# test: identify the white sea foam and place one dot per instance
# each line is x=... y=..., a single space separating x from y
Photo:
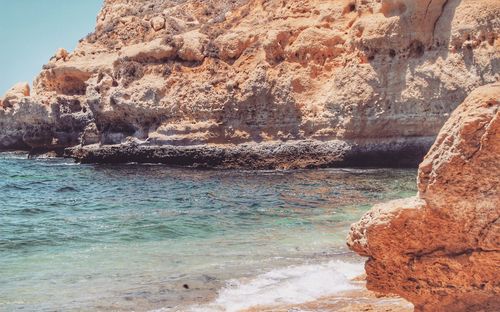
x=15 y=155
x=291 y=285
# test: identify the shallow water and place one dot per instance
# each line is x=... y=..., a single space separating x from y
x=145 y=237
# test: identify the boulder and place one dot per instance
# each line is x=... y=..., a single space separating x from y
x=158 y=23
x=191 y=46
x=15 y=94
x=61 y=54
x=441 y=249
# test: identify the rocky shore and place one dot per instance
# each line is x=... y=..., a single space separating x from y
x=320 y=83
x=259 y=84
x=441 y=249
x=267 y=155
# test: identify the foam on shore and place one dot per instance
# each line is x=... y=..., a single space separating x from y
x=290 y=285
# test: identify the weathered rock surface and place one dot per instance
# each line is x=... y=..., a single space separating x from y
x=265 y=155
x=441 y=250
x=200 y=73
x=15 y=94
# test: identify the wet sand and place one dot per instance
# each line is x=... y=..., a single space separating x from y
x=361 y=300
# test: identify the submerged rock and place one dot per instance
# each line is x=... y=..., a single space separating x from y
x=195 y=73
x=441 y=249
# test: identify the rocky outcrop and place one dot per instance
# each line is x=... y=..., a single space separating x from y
x=15 y=94
x=441 y=250
x=264 y=155
x=191 y=74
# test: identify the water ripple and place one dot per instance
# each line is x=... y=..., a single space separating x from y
x=90 y=235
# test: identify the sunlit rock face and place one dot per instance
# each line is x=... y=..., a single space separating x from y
x=379 y=77
x=441 y=250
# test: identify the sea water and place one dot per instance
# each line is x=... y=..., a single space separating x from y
x=150 y=237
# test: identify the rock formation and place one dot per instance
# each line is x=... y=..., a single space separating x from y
x=441 y=250
x=15 y=94
x=332 y=82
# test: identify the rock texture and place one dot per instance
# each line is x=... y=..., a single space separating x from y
x=15 y=94
x=441 y=250
x=369 y=74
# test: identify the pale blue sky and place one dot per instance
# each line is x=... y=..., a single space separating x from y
x=32 y=30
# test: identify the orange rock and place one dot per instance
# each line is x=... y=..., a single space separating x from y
x=371 y=72
x=15 y=94
x=441 y=250
x=61 y=54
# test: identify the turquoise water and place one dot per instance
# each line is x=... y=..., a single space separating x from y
x=143 y=237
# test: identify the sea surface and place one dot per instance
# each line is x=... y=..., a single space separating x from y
x=155 y=238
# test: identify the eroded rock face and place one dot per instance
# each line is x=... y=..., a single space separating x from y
x=185 y=73
x=441 y=250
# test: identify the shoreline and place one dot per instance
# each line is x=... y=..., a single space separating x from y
x=337 y=285
x=304 y=154
x=298 y=154
x=358 y=300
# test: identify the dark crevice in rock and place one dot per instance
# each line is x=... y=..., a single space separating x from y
x=441 y=252
x=437 y=19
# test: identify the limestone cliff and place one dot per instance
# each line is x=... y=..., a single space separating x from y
x=260 y=83
x=441 y=250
